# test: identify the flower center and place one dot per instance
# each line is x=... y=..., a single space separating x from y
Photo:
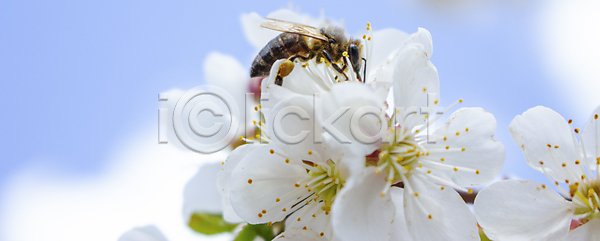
x=585 y=196
x=398 y=157
x=325 y=182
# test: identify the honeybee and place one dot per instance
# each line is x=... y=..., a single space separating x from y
x=304 y=43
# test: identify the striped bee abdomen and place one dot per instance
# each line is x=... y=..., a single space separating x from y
x=281 y=47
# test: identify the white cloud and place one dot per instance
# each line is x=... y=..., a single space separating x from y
x=569 y=40
x=143 y=184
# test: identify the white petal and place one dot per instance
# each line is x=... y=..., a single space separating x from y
x=539 y=127
x=384 y=43
x=262 y=178
x=522 y=210
x=295 y=234
x=360 y=212
x=271 y=93
x=400 y=229
x=224 y=180
x=311 y=218
x=291 y=126
x=591 y=137
x=415 y=78
x=422 y=37
x=364 y=106
x=226 y=72
x=482 y=158
x=201 y=193
x=436 y=213
x=588 y=231
x=146 y=233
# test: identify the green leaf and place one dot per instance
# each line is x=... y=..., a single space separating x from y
x=210 y=223
x=249 y=232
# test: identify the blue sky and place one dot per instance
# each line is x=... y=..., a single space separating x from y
x=77 y=78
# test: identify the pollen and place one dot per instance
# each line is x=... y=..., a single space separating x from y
x=429 y=216
x=345 y=54
x=459 y=100
x=299 y=219
x=467 y=129
x=442 y=188
x=264 y=211
x=570 y=121
x=429 y=172
x=249 y=181
x=442 y=159
x=297 y=185
x=548 y=145
x=321 y=234
x=597 y=160
x=270 y=223
x=256 y=108
x=424 y=89
x=369 y=39
x=364 y=36
x=556 y=147
x=457 y=133
x=287 y=160
x=455 y=169
x=260 y=215
x=277 y=200
x=304 y=228
x=435 y=102
x=577 y=162
x=469 y=191
x=567 y=181
x=596 y=116
x=576 y=130
x=564 y=164
x=445 y=138
x=309 y=152
x=463 y=149
x=416 y=194
x=541 y=162
x=283 y=210
x=477 y=172
x=241 y=138
x=272 y=151
x=544 y=186
x=583 y=176
x=382 y=194
x=447 y=147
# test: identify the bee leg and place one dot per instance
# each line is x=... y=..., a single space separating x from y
x=335 y=66
x=284 y=70
x=365 y=69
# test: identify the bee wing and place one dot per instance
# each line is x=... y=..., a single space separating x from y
x=290 y=27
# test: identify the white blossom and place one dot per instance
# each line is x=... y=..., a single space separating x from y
x=528 y=210
x=465 y=154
